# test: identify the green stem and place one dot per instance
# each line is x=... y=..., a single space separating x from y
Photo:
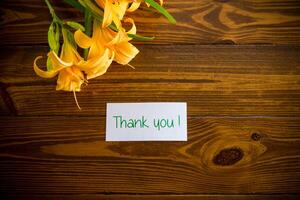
x=53 y=14
x=88 y=29
x=50 y=7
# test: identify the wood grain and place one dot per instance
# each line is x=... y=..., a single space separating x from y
x=68 y=155
x=160 y=197
x=7 y=106
x=199 y=22
x=243 y=107
x=214 y=80
x=3 y=107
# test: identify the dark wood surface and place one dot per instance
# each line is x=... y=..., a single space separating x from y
x=69 y=155
x=243 y=107
x=162 y=197
x=214 y=80
x=199 y=21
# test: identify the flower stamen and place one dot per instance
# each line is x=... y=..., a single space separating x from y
x=130 y=66
x=75 y=98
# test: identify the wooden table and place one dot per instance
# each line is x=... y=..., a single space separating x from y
x=235 y=63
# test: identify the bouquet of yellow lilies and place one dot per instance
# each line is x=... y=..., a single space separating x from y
x=102 y=38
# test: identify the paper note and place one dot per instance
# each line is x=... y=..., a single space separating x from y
x=146 y=122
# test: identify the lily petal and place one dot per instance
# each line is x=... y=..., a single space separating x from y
x=133 y=27
x=95 y=61
x=58 y=63
x=98 y=65
x=134 y=6
x=70 y=79
x=117 y=39
x=121 y=8
x=101 y=68
x=125 y=52
x=42 y=73
x=101 y=3
x=82 y=39
x=108 y=14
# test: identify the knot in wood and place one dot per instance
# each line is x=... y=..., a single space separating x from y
x=255 y=136
x=223 y=1
x=228 y=156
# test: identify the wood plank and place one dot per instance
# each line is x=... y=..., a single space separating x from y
x=68 y=155
x=44 y=100
x=3 y=108
x=6 y=105
x=161 y=197
x=199 y=22
x=166 y=63
x=214 y=80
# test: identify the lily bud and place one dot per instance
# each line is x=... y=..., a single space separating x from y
x=49 y=64
x=53 y=37
x=57 y=37
x=75 y=25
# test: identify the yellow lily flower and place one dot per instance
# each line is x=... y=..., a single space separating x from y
x=70 y=77
x=114 y=11
x=105 y=46
x=99 y=58
x=118 y=42
x=97 y=65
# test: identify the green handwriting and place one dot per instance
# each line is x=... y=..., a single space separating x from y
x=158 y=123
x=130 y=123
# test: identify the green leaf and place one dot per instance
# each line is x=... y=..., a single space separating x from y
x=139 y=37
x=88 y=22
x=162 y=11
x=75 y=4
x=75 y=25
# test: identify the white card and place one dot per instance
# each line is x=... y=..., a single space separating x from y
x=146 y=122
